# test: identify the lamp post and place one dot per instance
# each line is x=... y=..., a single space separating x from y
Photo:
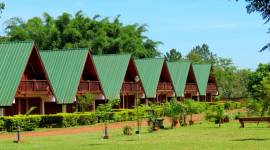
x=137 y=79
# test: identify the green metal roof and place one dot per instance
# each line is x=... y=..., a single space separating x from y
x=202 y=72
x=179 y=73
x=149 y=71
x=64 y=68
x=13 y=60
x=111 y=70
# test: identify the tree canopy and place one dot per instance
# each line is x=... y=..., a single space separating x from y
x=202 y=54
x=173 y=55
x=101 y=35
x=2 y=7
x=231 y=81
x=262 y=7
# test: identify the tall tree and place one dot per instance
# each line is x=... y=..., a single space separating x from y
x=255 y=79
x=2 y=7
x=231 y=81
x=202 y=54
x=262 y=7
x=173 y=55
x=101 y=35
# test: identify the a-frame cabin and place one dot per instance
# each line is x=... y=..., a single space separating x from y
x=117 y=74
x=156 y=79
x=191 y=89
x=23 y=79
x=72 y=73
x=206 y=81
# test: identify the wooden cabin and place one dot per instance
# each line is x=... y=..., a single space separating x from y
x=205 y=81
x=191 y=89
x=26 y=79
x=156 y=80
x=117 y=74
x=72 y=73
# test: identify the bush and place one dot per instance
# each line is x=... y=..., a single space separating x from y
x=87 y=119
x=67 y=120
x=127 y=130
x=51 y=121
x=124 y=115
x=2 y=123
x=26 y=123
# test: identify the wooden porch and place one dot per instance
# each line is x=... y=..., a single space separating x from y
x=191 y=88
x=33 y=87
x=89 y=86
x=131 y=88
x=165 y=88
x=212 y=89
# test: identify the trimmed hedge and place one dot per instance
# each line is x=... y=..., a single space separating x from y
x=2 y=124
x=87 y=119
x=26 y=123
x=124 y=115
x=62 y=120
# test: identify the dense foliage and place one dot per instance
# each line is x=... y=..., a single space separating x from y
x=84 y=101
x=173 y=55
x=232 y=82
x=101 y=35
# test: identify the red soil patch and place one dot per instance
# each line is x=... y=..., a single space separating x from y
x=84 y=129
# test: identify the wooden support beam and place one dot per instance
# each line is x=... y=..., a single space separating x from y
x=42 y=107
x=94 y=106
x=26 y=105
x=19 y=106
x=64 y=108
x=2 y=112
x=123 y=101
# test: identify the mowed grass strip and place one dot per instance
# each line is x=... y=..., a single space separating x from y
x=200 y=136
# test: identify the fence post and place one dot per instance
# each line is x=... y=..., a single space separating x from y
x=18 y=134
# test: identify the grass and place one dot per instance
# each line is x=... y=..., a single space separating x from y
x=201 y=136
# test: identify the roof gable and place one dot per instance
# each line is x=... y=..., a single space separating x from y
x=202 y=72
x=64 y=69
x=179 y=73
x=13 y=60
x=111 y=70
x=149 y=71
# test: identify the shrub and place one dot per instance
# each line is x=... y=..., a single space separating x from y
x=87 y=119
x=69 y=120
x=219 y=114
x=209 y=115
x=127 y=130
x=173 y=109
x=52 y=121
x=124 y=115
x=2 y=123
x=26 y=123
x=66 y=120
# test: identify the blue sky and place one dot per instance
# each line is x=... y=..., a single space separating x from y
x=182 y=24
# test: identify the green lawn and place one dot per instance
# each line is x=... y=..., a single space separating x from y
x=201 y=136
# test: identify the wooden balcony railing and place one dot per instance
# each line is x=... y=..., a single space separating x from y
x=131 y=87
x=211 y=87
x=164 y=86
x=89 y=86
x=191 y=87
x=34 y=86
